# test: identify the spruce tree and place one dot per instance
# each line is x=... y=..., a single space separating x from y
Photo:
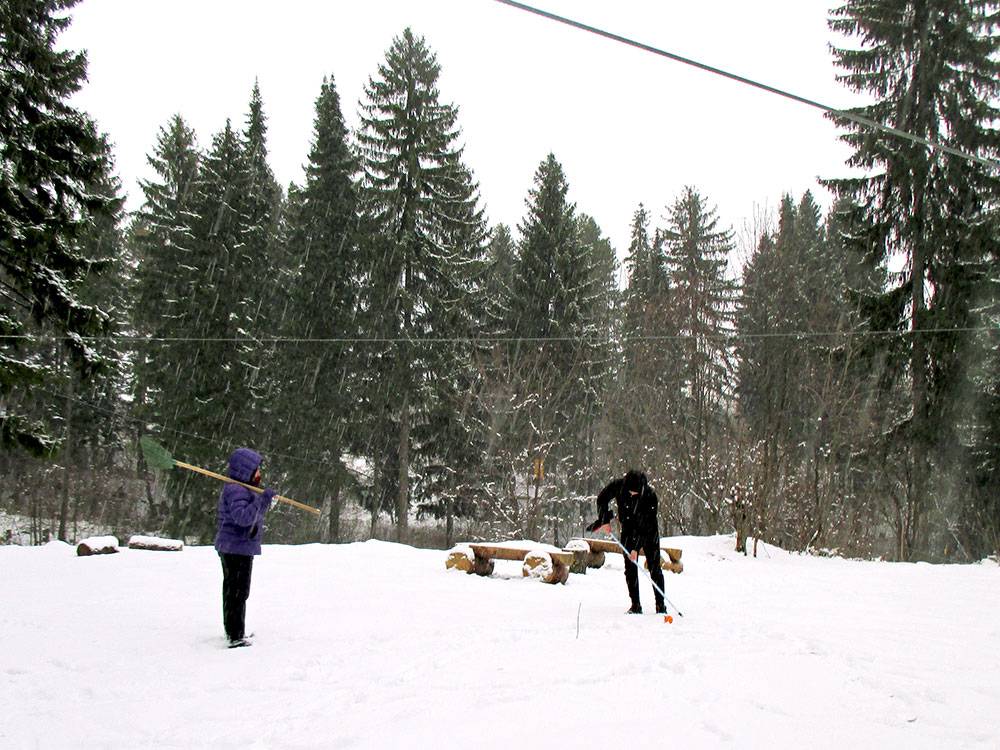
x=95 y=417
x=932 y=69
x=424 y=252
x=322 y=245
x=51 y=159
x=262 y=205
x=553 y=325
x=602 y=314
x=697 y=255
x=207 y=403
x=163 y=243
x=500 y=274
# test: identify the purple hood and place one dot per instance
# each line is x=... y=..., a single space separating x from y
x=241 y=512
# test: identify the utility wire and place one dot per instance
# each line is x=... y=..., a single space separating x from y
x=487 y=339
x=859 y=119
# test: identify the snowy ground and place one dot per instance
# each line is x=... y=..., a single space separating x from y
x=376 y=645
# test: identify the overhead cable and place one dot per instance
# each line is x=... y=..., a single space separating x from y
x=847 y=114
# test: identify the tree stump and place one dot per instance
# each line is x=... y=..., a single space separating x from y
x=155 y=544
x=97 y=545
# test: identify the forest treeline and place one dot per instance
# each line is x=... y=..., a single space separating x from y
x=382 y=345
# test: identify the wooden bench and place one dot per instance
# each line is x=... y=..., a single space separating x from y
x=485 y=554
x=670 y=557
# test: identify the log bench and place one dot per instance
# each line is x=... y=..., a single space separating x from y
x=549 y=565
x=670 y=557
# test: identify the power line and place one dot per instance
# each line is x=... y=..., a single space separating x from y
x=31 y=338
x=859 y=119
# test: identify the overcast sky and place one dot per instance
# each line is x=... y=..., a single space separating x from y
x=626 y=125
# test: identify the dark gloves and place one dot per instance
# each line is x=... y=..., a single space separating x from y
x=602 y=520
x=269 y=494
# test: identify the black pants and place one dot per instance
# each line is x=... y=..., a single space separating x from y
x=649 y=542
x=236 y=570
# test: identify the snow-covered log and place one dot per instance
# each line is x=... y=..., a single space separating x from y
x=460 y=557
x=550 y=567
x=595 y=556
x=670 y=559
x=97 y=545
x=537 y=564
x=486 y=553
x=155 y=543
x=581 y=556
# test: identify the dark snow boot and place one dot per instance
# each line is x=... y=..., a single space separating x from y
x=661 y=608
x=635 y=609
x=239 y=642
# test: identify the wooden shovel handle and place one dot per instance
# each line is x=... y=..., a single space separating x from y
x=252 y=488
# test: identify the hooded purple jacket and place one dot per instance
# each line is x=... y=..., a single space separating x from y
x=241 y=512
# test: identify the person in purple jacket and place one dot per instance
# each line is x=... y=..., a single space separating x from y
x=240 y=528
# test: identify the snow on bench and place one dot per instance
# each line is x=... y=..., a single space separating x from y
x=548 y=563
x=670 y=557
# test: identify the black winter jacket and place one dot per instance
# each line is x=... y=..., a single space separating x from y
x=636 y=513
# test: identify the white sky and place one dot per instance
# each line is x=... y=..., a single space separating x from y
x=626 y=125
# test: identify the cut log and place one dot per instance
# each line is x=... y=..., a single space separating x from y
x=155 y=543
x=603 y=545
x=97 y=545
x=538 y=564
x=460 y=558
x=487 y=553
x=595 y=555
x=670 y=557
x=483 y=566
x=549 y=567
x=596 y=560
x=581 y=556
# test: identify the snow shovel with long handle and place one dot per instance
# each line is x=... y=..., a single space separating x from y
x=159 y=457
x=625 y=552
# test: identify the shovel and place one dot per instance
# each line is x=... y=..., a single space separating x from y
x=159 y=457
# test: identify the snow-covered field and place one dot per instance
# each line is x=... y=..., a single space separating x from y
x=377 y=645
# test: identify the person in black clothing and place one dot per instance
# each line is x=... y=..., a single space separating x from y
x=637 y=506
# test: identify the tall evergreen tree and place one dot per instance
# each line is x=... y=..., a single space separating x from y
x=931 y=67
x=603 y=313
x=501 y=253
x=262 y=204
x=94 y=416
x=323 y=304
x=697 y=256
x=163 y=243
x=208 y=394
x=51 y=157
x=554 y=295
x=424 y=256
